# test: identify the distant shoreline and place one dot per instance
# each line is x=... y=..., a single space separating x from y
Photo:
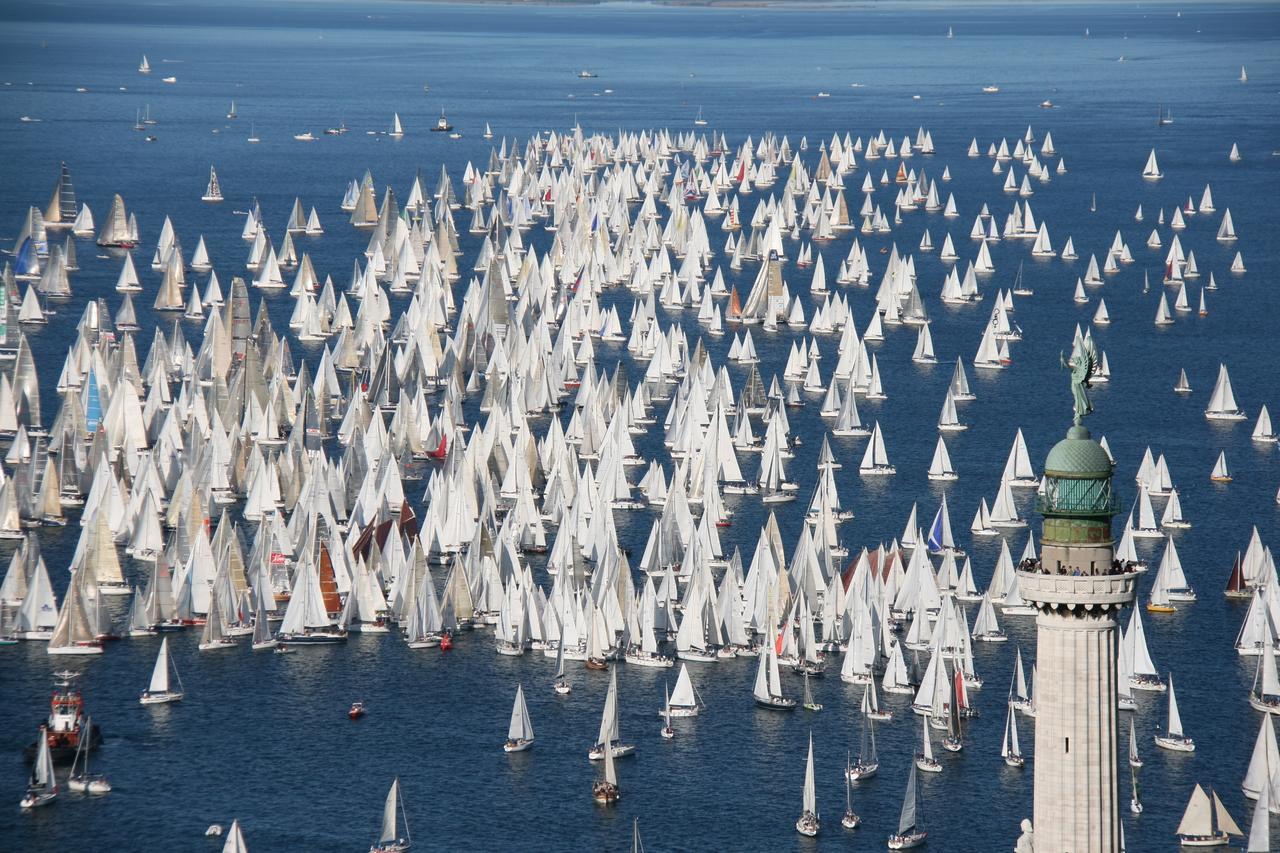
x=866 y=5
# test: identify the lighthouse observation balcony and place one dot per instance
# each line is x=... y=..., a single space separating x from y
x=1109 y=590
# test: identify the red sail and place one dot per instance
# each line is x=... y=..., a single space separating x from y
x=329 y=584
x=1236 y=585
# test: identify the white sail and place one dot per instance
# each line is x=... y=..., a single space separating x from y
x=1010 y=745
x=1151 y=171
x=683 y=696
x=1222 y=403
x=810 y=789
x=235 y=840
x=908 y=819
x=521 y=728
x=1197 y=820
x=160 y=673
x=390 y=809
x=1175 y=718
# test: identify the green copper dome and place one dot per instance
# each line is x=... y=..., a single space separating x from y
x=1078 y=457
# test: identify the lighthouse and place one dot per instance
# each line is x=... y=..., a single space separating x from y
x=1077 y=589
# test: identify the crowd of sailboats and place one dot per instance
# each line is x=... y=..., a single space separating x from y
x=226 y=486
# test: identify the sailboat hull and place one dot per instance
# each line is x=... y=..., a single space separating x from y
x=651 y=660
x=1176 y=744
x=77 y=649
x=32 y=801
x=397 y=846
x=620 y=750
x=605 y=793
x=907 y=842
x=314 y=639
x=927 y=765
x=1204 y=840
x=1267 y=704
x=808 y=825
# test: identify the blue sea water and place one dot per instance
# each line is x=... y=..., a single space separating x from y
x=265 y=738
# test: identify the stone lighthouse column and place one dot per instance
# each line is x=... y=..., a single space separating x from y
x=1077 y=589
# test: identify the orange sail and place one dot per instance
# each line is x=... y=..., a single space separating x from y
x=328 y=584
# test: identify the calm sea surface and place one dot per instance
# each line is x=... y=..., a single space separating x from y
x=265 y=738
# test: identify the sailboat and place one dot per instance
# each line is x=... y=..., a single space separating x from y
x=253 y=135
x=213 y=192
x=850 y=820
x=1244 y=76
x=952 y=741
x=684 y=701
x=488 y=132
x=161 y=688
x=81 y=780
x=520 y=731
x=1260 y=825
x=667 y=731
x=442 y=124
x=1151 y=171
x=924 y=759
x=390 y=840
x=262 y=636
x=235 y=838
x=909 y=833
x=868 y=761
x=1220 y=472
x=940 y=468
x=561 y=684
x=42 y=789
x=1265 y=693
x=1173 y=738
x=1163 y=117
x=809 y=703
x=231 y=113
x=809 y=823
x=144 y=67
x=213 y=636
x=74 y=634
x=768 y=686
x=315 y=613
x=1222 y=403
x=1020 y=287
x=699 y=121
x=606 y=790
x=1206 y=823
x=609 y=739
x=397 y=130
x=875 y=460
x=1009 y=750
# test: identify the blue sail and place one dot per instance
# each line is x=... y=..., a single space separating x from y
x=92 y=404
x=935 y=532
x=26 y=262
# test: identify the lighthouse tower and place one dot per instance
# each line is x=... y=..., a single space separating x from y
x=1078 y=591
